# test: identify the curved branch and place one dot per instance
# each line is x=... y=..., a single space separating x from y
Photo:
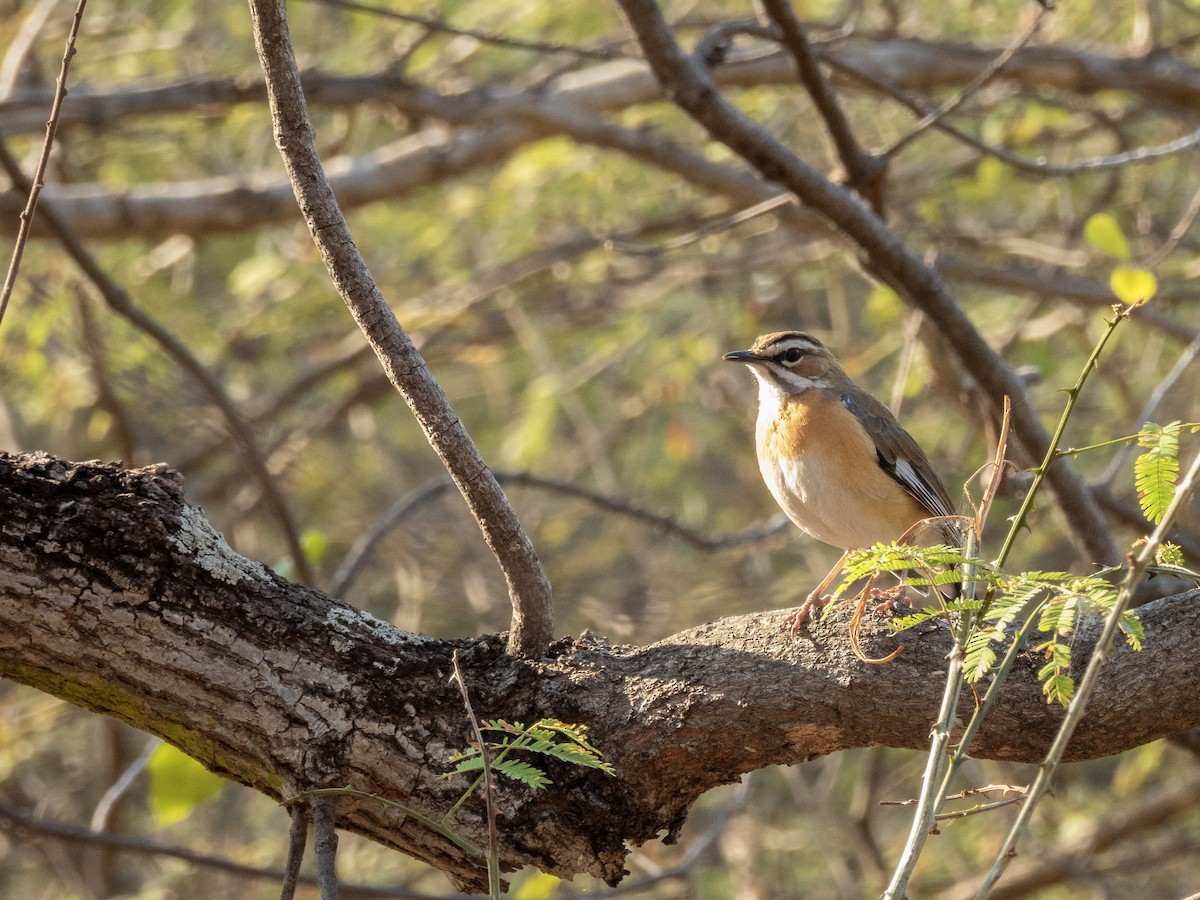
x=528 y=586
x=117 y=596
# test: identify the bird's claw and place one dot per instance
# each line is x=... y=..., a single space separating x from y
x=806 y=610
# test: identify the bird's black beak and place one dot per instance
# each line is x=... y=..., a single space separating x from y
x=742 y=356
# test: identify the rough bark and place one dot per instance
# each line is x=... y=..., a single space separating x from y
x=117 y=596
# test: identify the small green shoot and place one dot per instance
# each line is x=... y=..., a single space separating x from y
x=547 y=737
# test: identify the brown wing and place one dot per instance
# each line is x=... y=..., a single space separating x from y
x=899 y=455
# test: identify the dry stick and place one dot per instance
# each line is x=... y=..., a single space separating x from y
x=297 y=837
x=1091 y=675
x=691 y=87
x=528 y=586
x=489 y=785
x=119 y=301
x=325 y=844
x=39 y=173
x=990 y=71
x=864 y=171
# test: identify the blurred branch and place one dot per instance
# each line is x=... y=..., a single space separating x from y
x=439 y=26
x=134 y=574
x=690 y=87
x=1057 y=285
x=529 y=589
x=18 y=822
x=487 y=134
x=398 y=513
x=1118 y=825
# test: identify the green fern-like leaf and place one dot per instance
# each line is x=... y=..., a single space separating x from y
x=1157 y=470
x=519 y=770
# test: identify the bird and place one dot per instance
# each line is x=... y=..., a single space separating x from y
x=836 y=460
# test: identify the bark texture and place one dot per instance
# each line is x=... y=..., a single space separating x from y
x=117 y=596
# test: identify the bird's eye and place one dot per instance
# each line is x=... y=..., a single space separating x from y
x=792 y=354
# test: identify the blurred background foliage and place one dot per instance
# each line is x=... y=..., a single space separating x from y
x=577 y=361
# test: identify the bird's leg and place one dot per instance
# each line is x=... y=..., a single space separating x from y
x=817 y=598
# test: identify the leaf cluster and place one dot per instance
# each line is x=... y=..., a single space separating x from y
x=563 y=741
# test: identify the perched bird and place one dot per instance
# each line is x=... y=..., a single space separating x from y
x=835 y=458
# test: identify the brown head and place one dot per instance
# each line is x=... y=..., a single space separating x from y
x=791 y=361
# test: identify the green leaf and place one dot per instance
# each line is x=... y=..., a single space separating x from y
x=1132 y=285
x=1157 y=470
x=314 y=544
x=1102 y=231
x=178 y=784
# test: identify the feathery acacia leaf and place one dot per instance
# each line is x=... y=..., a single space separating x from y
x=1157 y=470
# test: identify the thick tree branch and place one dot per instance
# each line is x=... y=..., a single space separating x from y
x=528 y=586
x=117 y=596
x=691 y=87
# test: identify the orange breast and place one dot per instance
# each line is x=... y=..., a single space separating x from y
x=822 y=468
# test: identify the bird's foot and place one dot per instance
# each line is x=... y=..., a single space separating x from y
x=806 y=610
x=888 y=599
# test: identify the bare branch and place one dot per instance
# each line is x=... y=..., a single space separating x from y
x=529 y=589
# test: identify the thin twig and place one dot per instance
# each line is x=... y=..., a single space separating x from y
x=325 y=844
x=297 y=838
x=489 y=786
x=990 y=71
x=529 y=588
x=936 y=762
x=1087 y=684
x=39 y=173
x=1182 y=227
x=117 y=789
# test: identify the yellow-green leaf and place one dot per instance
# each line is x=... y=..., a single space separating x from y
x=1133 y=285
x=1104 y=233
x=178 y=784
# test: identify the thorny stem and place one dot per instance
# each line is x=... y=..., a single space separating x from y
x=1087 y=684
x=39 y=175
x=1039 y=474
